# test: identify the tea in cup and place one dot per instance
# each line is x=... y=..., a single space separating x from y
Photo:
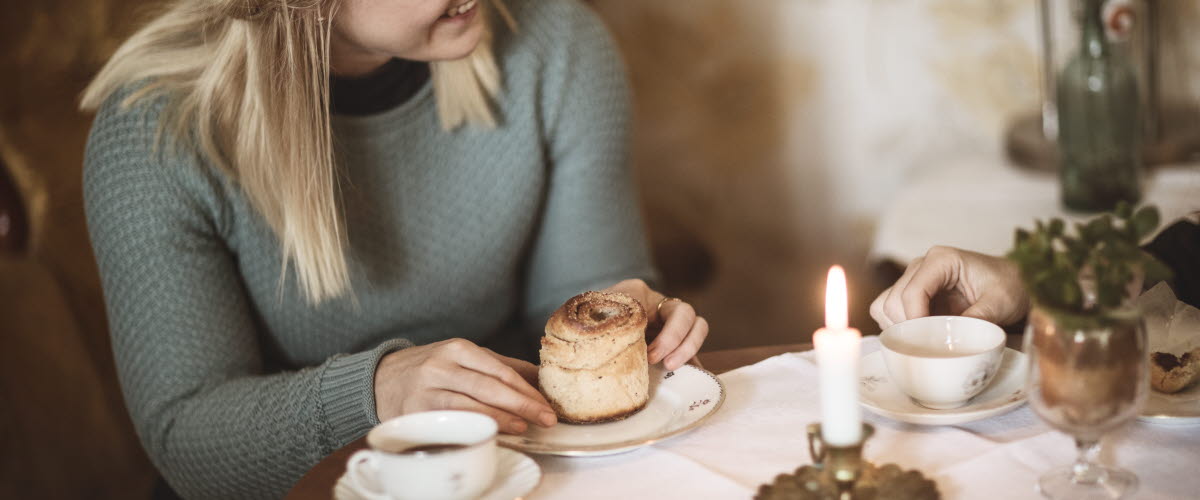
x=434 y=455
x=941 y=362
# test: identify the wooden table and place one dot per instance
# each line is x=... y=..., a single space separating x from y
x=318 y=483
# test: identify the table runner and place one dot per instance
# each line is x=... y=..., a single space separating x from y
x=760 y=432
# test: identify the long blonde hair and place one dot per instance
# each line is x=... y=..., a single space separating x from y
x=247 y=86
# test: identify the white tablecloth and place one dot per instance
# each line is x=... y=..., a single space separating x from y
x=760 y=432
x=978 y=204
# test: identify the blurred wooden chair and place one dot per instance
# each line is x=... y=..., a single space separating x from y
x=65 y=430
x=63 y=424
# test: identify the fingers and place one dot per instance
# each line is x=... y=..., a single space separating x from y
x=490 y=381
x=680 y=318
x=496 y=394
x=999 y=307
x=689 y=347
x=996 y=282
x=877 y=313
x=892 y=308
x=486 y=362
x=911 y=295
x=683 y=332
x=957 y=278
x=936 y=273
x=915 y=297
x=949 y=303
x=450 y=400
x=982 y=310
x=525 y=369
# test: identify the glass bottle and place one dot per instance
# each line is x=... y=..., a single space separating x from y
x=1099 y=130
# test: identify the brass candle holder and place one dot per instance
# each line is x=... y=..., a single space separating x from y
x=840 y=473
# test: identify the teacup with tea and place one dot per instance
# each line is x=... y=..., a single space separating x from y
x=941 y=362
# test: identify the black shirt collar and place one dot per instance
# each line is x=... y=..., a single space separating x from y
x=385 y=88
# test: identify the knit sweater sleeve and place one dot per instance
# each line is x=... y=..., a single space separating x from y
x=591 y=233
x=214 y=423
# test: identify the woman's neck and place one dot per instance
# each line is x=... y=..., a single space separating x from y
x=347 y=59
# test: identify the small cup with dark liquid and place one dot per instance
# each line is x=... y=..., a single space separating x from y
x=434 y=448
x=435 y=455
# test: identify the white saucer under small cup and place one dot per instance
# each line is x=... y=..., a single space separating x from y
x=517 y=476
x=1005 y=393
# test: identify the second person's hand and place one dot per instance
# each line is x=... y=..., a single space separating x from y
x=960 y=281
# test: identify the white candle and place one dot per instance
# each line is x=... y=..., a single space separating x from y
x=837 y=347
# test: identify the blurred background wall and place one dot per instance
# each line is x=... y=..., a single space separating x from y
x=770 y=135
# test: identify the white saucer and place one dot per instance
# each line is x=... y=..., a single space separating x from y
x=516 y=476
x=879 y=395
x=679 y=402
x=1181 y=408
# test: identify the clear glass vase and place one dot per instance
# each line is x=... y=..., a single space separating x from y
x=1088 y=375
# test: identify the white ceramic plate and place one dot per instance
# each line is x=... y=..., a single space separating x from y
x=1181 y=408
x=679 y=401
x=879 y=395
x=516 y=476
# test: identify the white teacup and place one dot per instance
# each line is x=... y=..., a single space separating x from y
x=942 y=361
x=434 y=455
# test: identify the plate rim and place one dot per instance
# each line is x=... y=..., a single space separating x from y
x=629 y=445
x=1161 y=418
x=948 y=418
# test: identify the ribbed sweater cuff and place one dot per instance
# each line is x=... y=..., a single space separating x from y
x=348 y=392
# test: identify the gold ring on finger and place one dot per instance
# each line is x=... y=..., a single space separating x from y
x=665 y=299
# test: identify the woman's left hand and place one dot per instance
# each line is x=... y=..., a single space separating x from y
x=683 y=332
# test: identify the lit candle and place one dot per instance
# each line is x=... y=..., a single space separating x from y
x=837 y=348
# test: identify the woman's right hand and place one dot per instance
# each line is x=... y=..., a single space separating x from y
x=456 y=374
x=961 y=282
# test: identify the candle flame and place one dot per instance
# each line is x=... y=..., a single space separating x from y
x=835 y=299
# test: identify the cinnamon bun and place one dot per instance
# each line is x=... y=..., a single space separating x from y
x=593 y=366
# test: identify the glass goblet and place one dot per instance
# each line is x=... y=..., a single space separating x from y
x=1087 y=376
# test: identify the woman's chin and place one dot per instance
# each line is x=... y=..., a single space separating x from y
x=454 y=53
x=448 y=45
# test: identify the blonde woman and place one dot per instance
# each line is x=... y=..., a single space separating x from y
x=310 y=215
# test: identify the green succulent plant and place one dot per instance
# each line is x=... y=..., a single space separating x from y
x=1103 y=254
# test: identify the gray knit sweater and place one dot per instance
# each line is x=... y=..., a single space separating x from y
x=237 y=388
